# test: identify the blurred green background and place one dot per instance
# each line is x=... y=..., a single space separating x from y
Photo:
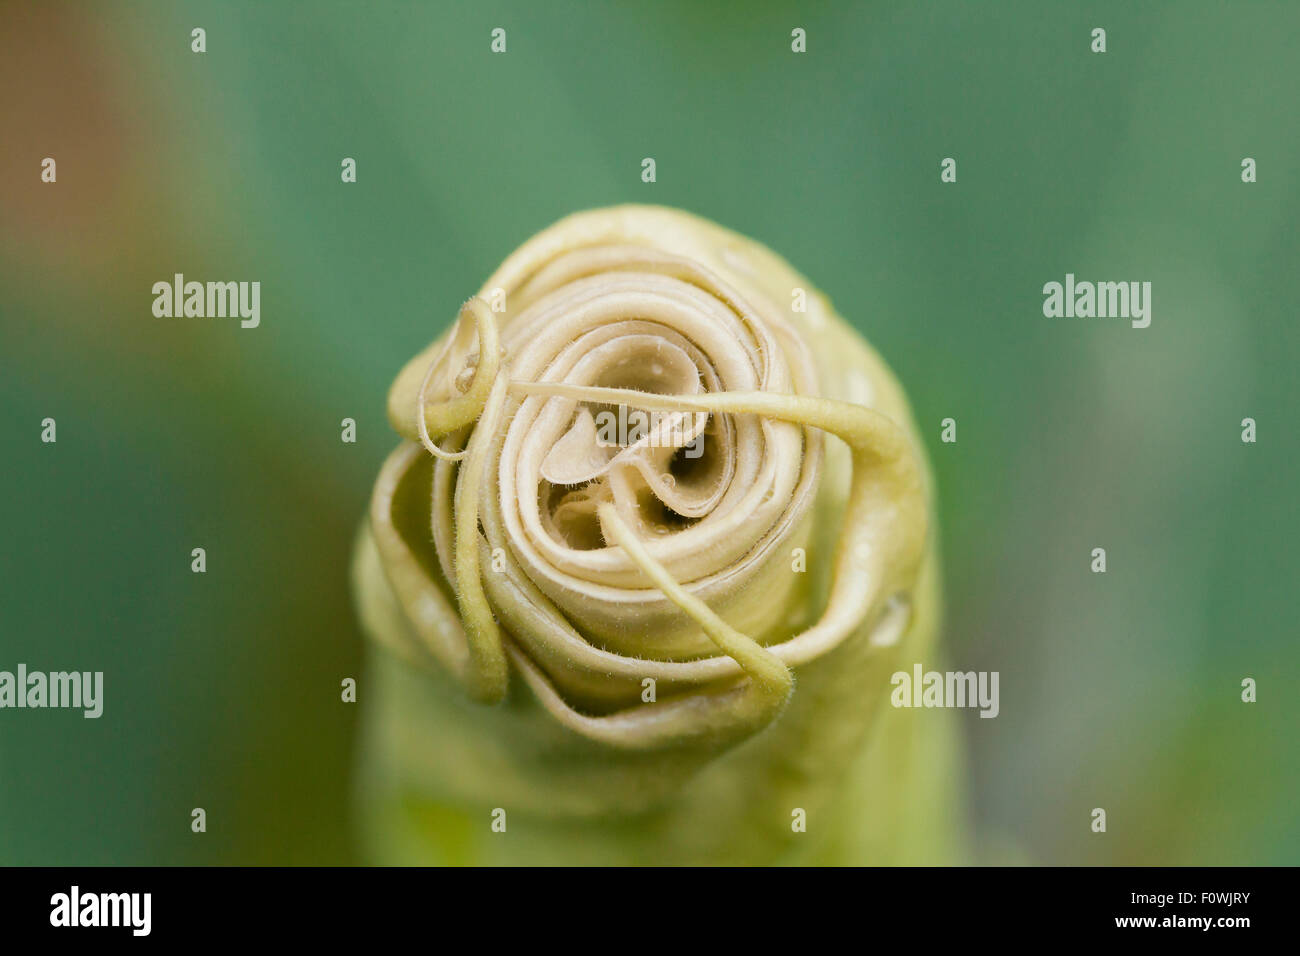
x=222 y=690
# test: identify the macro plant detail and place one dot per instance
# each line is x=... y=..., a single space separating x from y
x=674 y=641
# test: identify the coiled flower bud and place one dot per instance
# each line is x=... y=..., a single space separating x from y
x=643 y=563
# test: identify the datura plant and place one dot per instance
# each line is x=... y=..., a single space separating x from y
x=636 y=579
